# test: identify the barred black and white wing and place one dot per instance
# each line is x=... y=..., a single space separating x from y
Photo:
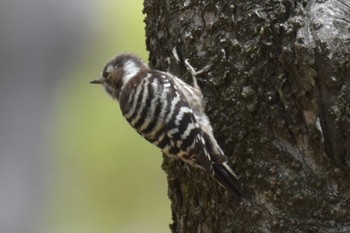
x=156 y=104
x=157 y=109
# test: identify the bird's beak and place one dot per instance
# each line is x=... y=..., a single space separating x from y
x=97 y=81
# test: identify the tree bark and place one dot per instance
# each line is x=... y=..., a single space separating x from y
x=278 y=98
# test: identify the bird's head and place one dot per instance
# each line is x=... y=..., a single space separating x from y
x=118 y=71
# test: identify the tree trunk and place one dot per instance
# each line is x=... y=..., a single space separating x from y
x=278 y=98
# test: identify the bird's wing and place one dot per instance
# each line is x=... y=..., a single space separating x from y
x=165 y=118
x=184 y=132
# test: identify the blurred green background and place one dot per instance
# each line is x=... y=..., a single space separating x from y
x=109 y=178
x=99 y=174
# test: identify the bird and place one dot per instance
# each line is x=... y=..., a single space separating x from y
x=169 y=113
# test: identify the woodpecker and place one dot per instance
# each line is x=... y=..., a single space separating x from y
x=169 y=113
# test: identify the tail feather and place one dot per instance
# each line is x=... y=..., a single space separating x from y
x=227 y=178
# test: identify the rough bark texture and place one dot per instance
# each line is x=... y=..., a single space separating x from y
x=278 y=98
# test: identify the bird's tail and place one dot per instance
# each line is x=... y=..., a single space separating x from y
x=227 y=178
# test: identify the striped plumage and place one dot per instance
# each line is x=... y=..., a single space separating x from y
x=168 y=113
